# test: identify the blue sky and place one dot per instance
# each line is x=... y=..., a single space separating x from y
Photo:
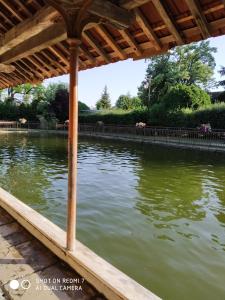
x=123 y=77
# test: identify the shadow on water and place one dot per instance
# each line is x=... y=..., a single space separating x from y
x=156 y=213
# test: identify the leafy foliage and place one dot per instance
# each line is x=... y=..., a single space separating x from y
x=49 y=102
x=191 y=64
x=127 y=102
x=185 y=96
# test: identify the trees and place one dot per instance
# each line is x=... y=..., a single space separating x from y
x=191 y=64
x=82 y=106
x=126 y=102
x=104 y=102
x=185 y=96
x=59 y=105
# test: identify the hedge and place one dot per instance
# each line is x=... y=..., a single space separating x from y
x=214 y=114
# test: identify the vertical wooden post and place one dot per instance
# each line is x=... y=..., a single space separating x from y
x=72 y=144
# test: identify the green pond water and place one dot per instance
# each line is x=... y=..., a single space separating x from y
x=157 y=214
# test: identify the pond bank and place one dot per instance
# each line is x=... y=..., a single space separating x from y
x=176 y=142
x=203 y=145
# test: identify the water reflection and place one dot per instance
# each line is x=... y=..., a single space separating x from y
x=158 y=214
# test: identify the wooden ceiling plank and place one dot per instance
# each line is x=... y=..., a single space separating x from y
x=147 y=29
x=12 y=9
x=24 y=71
x=27 y=29
x=4 y=79
x=110 y=41
x=31 y=69
x=7 y=19
x=24 y=7
x=131 y=41
x=45 y=66
x=58 y=53
x=37 y=65
x=89 y=56
x=22 y=74
x=54 y=61
x=199 y=18
x=12 y=79
x=167 y=20
x=131 y=4
x=95 y=45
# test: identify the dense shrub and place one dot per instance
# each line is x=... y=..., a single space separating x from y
x=185 y=96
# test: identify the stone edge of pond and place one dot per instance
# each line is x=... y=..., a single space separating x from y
x=133 y=139
x=146 y=140
x=108 y=280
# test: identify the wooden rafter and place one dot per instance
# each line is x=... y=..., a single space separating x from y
x=59 y=54
x=141 y=19
x=199 y=18
x=109 y=39
x=28 y=28
x=167 y=20
x=86 y=53
x=96 y=46
x=6 y=68
x=9 y=5
x=131 y=41
x=131 y=4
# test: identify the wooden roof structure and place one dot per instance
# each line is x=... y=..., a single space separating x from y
x=33 y=37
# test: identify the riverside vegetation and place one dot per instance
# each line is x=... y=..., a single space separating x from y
x=174 y=92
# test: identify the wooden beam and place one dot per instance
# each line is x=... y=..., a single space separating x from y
x=89 y=56
x=25 y=63
x=27 y=29
x=53 y=61
x=109 y=39
x=199 y=18
x=131 y=4
x=167 y=20
x=59 y=54
x=111 y=12
x=95 y=45
x=142 y=20
x=127 y=36
x=6 y=68
x=50 y=36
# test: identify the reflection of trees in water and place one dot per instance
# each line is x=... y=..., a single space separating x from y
x=28 y=163
x=172 y=186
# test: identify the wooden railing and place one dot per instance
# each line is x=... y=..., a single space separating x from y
x=157 y=134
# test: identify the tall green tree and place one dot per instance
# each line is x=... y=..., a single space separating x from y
x=104 y=102
x=190 y=64
x=126 y=102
